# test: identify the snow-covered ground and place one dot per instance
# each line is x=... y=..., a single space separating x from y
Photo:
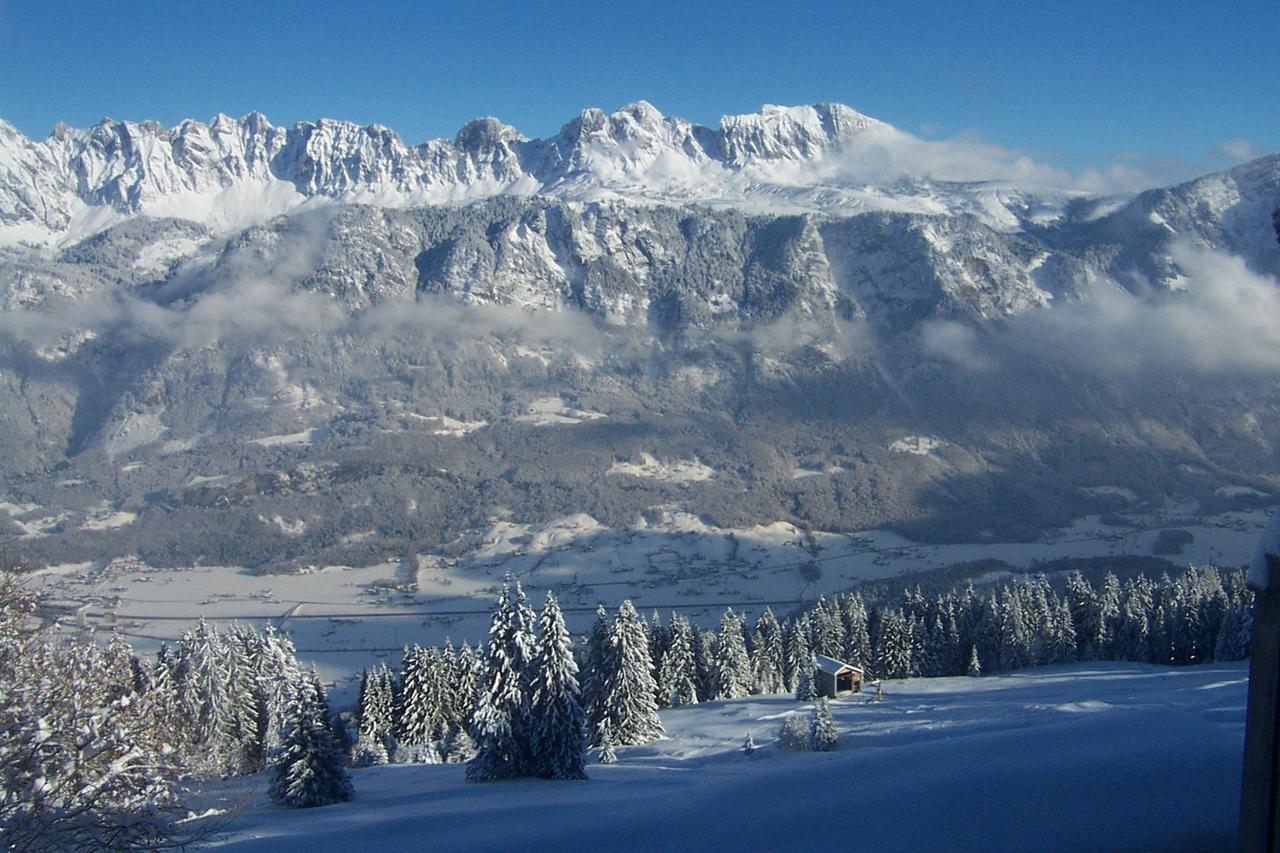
x=1111 y=756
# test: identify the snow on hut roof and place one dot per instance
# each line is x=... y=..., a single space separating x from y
x=1259 y=576
x=831 y=665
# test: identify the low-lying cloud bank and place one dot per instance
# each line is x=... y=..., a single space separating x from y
x=1222 y=320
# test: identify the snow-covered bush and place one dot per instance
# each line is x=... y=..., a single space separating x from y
x=823 y=735
x=794 y=734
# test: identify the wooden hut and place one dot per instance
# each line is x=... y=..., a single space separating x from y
x=832 y=677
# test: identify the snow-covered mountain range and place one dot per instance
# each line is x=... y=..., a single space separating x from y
x=232 y=173
x=271 y=346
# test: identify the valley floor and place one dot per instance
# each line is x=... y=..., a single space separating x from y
x=1104 y=756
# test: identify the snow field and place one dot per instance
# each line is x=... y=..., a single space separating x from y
x=1110 y=756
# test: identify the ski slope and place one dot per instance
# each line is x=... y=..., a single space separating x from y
x=1107 y=756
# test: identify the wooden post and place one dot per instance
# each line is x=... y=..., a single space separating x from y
x=1260 y=789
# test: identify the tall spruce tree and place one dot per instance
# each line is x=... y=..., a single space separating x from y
x=732 y=666
x=501 y=718
x=677 y=674
x=627 y=705
x=768 y=655
x=559 y=737
x=308 y=768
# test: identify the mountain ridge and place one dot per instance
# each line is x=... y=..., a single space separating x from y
x=77 y=181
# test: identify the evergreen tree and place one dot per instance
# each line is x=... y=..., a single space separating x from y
x=823 y=735
x=627 y=703
x=424 y=697
x=677 y=675
x=502 y=710
x=377 y=709
x=1015 y=637
x=558 y=739
x=806 y=690
x=975 y=667
x=828 y=629
x=704 y=649
x=731 y=666
x=1234 y=635
x=308 y=769
x=1062 y=639
x=466 y=688
x=799 y=657
x=748 y=745
x=893 y=655
x=857 y=641
x=1084 y=613
x=768 y=654
x=597 y=664
x=605 y=753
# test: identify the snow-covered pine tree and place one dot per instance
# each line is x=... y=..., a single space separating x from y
x=677 y=674
x=799 y=655
x=749 y=745
x=278 y=673
x=559 y=736
x=828 y=629
x=249 y=715
x=857 y=640
x=932 y=660
x=1061 y=647
x=424 y=697
x=377 y=709
x=204 y=684
x=596 y=665
x=704 y=650
x=1132 y=640
x=605 y=753
x=1015 y=636
x=1107 y=618
x=659 y=639
x=1234 y=634
x=768 y=655
x=893 y=654
x=1084 y=611
x=975 y=666
x=626 y=700
x=823 y=735
x=986 y=629
x=806 y=689
x=502 y=709
x=731 y=665
x=466 y=688
x=308 y=769
x=411 y=718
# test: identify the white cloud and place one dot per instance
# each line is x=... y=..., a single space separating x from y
x=1222 y=322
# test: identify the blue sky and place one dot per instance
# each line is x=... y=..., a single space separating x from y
x=1169 y=87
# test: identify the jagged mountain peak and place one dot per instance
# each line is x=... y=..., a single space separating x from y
x=230 y=173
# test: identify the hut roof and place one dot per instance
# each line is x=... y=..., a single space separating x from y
x=833 y=666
